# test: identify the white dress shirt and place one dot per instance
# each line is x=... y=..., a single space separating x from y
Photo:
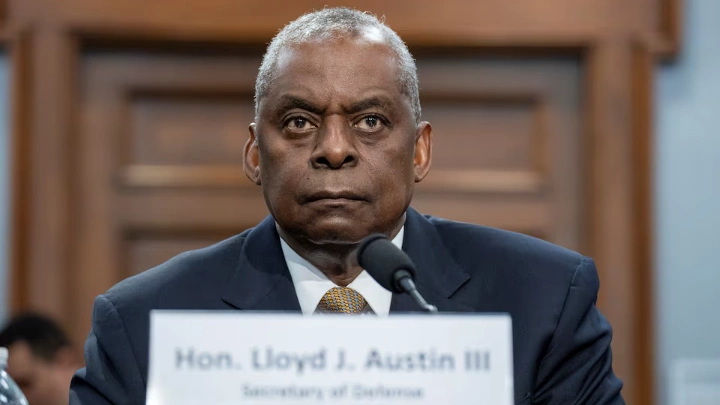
x=311 y=284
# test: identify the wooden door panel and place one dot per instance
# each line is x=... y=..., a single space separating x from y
x=476 y=134
x=508 y=141
x=159 y=168
x=187 y=130
x=161 y=139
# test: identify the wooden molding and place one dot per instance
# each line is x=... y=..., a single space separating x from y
x=643 y=231
x=153 y=176
x=669 y=35
x=20 y=169
x=3 y=12
x=483 y=181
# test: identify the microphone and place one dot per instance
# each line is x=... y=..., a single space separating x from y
x=391 y=268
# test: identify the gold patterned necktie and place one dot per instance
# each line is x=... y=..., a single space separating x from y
x=342 y=300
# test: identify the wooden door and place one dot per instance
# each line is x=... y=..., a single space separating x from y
x=130 y=119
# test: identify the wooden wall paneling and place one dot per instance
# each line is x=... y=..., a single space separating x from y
x=505 y=127
x=173 y=107
x=188 y=130
x=96 y=258
x=486 y=23
x=610 y=199
x=3 y=12
x=560 y=151
x=670 y=30
x=643 y=213
x=50 y=152
x=178 y=121
x=179 y=209
x=19 y=51
x=153 y=210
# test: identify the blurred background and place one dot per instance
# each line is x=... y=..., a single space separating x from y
x=592 y=124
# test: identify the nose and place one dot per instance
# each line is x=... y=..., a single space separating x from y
x=335 y=148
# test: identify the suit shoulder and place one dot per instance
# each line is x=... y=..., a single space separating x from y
x=190 y=271
x=505 y=249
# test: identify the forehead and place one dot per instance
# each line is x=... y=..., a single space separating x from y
x=338 y=68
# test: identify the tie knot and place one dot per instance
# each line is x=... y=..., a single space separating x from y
x=342 y=300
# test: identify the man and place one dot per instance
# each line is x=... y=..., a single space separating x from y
x=337 y=146
x=41 y=360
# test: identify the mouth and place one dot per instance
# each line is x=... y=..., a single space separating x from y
x=334 y=196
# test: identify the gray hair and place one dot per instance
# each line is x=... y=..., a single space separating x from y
x=337 y=22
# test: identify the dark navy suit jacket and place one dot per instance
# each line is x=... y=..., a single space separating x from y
x=561 y=341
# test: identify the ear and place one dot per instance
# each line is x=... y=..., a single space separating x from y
x=251 y=157
x=423 y=150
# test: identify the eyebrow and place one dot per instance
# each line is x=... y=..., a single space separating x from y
x=373 y=102
x=288 y=102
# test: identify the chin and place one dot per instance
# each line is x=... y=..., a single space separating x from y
x=337 y=232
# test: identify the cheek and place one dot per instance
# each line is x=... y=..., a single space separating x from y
x=275 y=163
x=281 y=171
x=393 y=172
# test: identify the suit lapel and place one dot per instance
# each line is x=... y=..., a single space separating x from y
x=438 y=275
x=261 y=280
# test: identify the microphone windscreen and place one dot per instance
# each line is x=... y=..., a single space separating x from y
x=382 y=259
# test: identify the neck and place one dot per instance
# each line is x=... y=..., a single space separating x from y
x=337 y=261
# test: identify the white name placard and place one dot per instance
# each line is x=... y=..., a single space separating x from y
x=229 y=358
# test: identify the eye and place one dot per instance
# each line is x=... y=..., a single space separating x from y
x=298 y=124
x=370 y=123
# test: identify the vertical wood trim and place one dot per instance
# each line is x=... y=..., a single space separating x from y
x=99 y=110
x=670 y=27
x=610 y=199
x=49 y=178
x=642 y=103
x=4 y=13
x=21 y=89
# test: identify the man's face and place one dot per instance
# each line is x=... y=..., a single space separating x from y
x=336 y=147
x=43 y=382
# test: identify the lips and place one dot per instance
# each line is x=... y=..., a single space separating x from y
x=334 y=195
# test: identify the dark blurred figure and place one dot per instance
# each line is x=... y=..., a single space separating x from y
x=41 y=359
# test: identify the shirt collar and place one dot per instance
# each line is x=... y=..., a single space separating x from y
x=311 y=284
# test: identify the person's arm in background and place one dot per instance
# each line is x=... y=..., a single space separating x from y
x=577 y=366
x=111 y=375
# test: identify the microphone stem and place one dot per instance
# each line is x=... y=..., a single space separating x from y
x=432 y=309
x=408 y=285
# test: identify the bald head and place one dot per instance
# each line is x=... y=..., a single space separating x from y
x=335 y=24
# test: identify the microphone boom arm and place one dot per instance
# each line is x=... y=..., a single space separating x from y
x=407 y=284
